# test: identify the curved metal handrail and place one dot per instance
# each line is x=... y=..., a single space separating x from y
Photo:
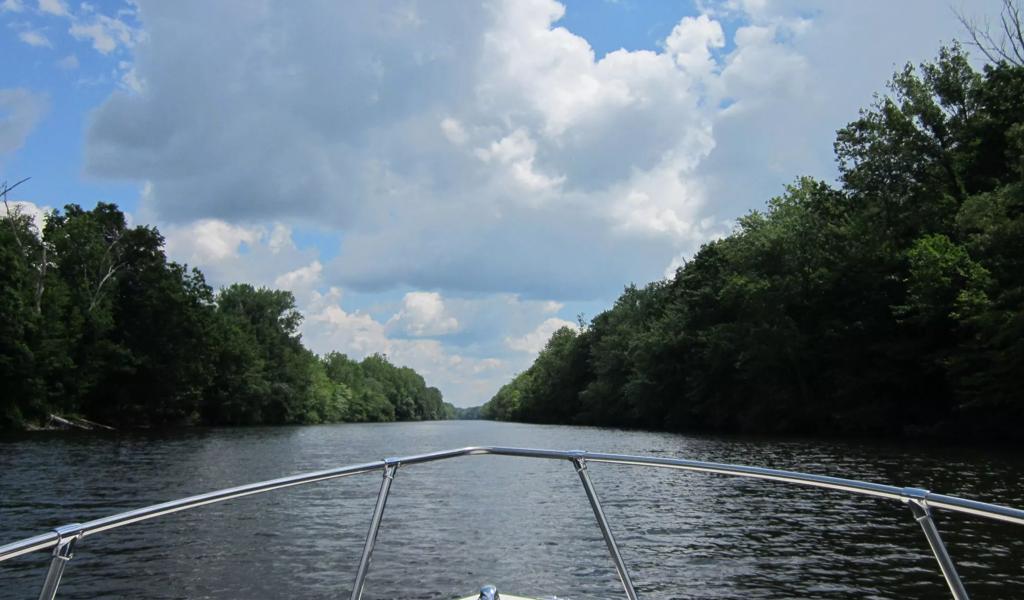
x=62 y=539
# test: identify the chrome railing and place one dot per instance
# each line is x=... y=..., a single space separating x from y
x=63 y=539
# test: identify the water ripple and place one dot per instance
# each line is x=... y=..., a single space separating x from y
x=525 y=525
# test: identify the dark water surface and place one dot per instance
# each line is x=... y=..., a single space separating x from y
x=522 y=524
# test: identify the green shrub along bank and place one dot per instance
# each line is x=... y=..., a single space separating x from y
x=97 y=323
x=889 y=304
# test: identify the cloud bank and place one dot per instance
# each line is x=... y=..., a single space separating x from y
x=476 y=159
x=20 y=110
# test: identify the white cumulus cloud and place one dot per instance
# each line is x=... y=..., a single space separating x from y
x=515 y=126
x=68 y=63
x=54 y=7
x=33 y=211
x=20 y=110
x=209 y=240
x=691 y=43
x=424 y=314
x=106 y=34
x=301 y=278
x=534 y=341
x=34 y=38
x=454 y=131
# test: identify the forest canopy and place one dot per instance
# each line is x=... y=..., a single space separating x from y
x=890 y=303
x=99 y=324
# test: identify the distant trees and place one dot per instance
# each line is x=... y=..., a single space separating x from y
x=891 y=304
x=98 y=323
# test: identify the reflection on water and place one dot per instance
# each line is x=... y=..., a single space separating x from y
x=522 y=524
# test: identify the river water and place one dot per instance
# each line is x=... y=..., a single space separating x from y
x=522 y=524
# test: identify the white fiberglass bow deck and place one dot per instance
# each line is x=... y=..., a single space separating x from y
x=62 y=540
x=489 y=592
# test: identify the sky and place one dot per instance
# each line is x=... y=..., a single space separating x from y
x=444 y=182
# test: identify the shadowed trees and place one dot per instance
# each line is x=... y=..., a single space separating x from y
x=98 y=323
x=890 y=304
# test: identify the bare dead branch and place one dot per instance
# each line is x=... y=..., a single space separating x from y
x=1006 y=45
x=1009 y=33
x=95 y=299
x=1017 y=25
x=41 y=282
x=4 y=189
x=112 y=266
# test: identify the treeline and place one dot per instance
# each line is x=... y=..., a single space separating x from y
x=890 y=304
x=471 y=413
x=97 y=323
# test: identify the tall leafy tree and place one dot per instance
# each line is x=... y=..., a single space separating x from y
x=99 y=324
x=893 y=304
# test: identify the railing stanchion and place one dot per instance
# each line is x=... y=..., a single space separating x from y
x=63 y=552
x=923 y=516
x=371 y=535
x=602 y=522
x=61 y=541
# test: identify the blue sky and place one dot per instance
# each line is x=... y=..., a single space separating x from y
x=52 y=155
x=443 y=182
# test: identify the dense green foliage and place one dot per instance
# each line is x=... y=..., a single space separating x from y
x=98 y=323
x=890 y=304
